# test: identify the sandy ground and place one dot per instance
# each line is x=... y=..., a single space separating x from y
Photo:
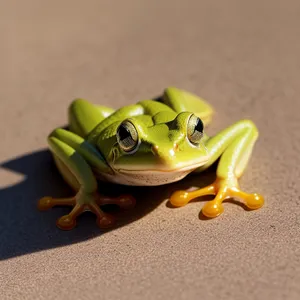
x=242 y=56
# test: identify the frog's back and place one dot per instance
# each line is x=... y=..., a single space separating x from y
x=146 y=110
x=88 y=120
x=84 y=116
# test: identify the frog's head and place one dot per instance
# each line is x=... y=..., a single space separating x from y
x=146 y=150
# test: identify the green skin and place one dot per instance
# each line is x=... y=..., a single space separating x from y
x=90 y=151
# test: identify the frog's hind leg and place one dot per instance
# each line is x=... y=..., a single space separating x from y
x=85 y=116
x=233 y=146
x=180 y=100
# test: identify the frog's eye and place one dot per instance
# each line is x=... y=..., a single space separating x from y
x=127 y=137
x=194 y=129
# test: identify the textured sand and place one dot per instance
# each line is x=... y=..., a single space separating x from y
x=242 y=56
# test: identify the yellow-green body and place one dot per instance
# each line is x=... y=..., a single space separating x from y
x=152 y=142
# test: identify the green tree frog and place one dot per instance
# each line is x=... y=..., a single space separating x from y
x=152 y=142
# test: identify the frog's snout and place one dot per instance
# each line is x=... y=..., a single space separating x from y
x=171 y=152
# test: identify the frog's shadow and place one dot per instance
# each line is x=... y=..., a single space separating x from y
x=23 y=229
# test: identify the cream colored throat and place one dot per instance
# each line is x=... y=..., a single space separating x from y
x=150 y=177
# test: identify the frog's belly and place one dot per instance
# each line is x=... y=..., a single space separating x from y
x=146 y=178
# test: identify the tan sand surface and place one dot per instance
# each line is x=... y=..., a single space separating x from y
x=242 y=56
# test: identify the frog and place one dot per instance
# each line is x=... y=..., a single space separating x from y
x=152 y=142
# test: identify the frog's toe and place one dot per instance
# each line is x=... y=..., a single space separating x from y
x=105 y=221
x=252 y=201
x=45 y=203
x=212 y=209
x=126 y=201
x=66 y=222
x=256 y=201
x=123 y=201
x=48 y=202
x=180 y=198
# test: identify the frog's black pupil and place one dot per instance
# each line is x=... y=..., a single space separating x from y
x=199 y=125
x=123 y=133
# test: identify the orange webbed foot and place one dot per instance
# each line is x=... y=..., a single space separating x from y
x=91 y=203
x=222 y=191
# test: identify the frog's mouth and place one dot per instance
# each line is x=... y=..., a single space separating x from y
x=153 y=176
x=159 y=170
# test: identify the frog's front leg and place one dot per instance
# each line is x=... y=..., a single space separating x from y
x=74 y=158
x=233 y=146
